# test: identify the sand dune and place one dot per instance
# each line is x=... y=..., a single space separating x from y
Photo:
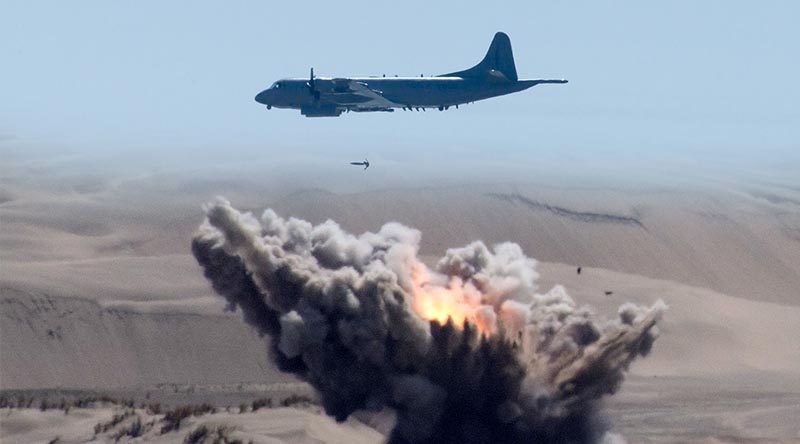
x=47 y=339
x=719 y=240
x=704 y=333
x=272 y=426
x=728 y=241
x=740 y=238
x=647 y=411
x=97 y=289
x=132 y=278
x=126 y=239
x=56 y=341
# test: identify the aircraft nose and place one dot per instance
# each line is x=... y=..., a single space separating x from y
x=263 y=97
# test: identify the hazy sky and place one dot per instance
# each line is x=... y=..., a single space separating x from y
x=687 y=80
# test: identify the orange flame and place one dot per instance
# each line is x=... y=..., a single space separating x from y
x=456 y=301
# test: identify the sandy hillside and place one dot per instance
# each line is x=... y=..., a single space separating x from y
x=266 y=426
x=98 y=290
x=647 y=411
x=737 y=238
x=726 y=240
x=705 y=333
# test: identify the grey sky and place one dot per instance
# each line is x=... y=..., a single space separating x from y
x=689 y=81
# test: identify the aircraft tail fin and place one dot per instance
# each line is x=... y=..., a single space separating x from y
x=498 y=58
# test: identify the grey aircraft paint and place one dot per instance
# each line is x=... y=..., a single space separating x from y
x=494 y=76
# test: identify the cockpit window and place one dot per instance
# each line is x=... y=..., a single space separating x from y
x=276 y=85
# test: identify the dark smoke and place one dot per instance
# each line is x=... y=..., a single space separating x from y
x=339 y=311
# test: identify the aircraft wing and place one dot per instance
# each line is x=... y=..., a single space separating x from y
x=358 y=96
x=376 y=99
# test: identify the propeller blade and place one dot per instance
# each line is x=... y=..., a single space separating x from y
x=312 y=86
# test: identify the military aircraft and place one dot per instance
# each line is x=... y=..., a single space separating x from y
x=365 y=163
x=495 y=75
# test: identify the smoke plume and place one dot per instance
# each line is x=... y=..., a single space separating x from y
x=467 y=352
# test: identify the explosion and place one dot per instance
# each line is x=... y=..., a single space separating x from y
x=466 y=351
x=455 y=302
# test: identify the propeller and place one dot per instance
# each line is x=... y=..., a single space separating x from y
x=312 y=86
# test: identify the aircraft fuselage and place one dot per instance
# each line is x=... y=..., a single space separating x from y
x=414 y=92
x=495 y=75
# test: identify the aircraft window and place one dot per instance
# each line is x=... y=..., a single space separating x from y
x=276 y=85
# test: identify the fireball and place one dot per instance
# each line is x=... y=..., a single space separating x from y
x=439 y=298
